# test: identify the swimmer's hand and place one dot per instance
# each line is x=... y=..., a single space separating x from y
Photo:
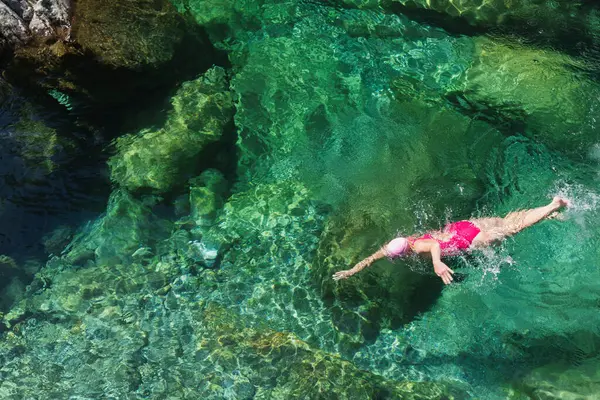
x=443 y=271
x=561 y=202
x=342 y=275
x=360 y=266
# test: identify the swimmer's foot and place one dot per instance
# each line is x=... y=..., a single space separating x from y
x=557 y=216
x=561 y=202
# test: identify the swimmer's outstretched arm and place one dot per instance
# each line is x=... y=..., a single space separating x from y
x=360 y=266
x=433 y=247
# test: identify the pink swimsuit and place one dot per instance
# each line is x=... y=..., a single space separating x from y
x=463 y=234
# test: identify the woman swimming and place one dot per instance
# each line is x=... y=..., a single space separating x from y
x=458 y=237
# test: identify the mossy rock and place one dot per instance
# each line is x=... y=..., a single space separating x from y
x=162 y=159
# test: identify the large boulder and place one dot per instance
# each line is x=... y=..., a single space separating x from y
x=129 y=34
x=129 y=47
x=161 y=159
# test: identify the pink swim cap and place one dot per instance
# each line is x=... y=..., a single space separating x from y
x=396 y=247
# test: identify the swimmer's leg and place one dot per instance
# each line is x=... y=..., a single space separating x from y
x=496 y=229
x=491 y=230
x=517 y=221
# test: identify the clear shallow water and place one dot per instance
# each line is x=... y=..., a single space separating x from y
x=351 y=126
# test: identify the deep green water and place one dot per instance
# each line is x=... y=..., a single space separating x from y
x=336 y=126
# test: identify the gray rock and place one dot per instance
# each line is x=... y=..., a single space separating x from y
x=21 y=20
x=21 y=7
x=49 y=14
x=12 y=28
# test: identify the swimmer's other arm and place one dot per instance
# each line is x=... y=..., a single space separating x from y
x=433 y=247
x=360 y=266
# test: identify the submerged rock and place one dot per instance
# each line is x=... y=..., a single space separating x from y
x=146 y=330
x=55 y=241
x=8 y=266
x=207 y=193
x=127 y=226
x=30 y=136
x=328 y=101
x=162 y=159
x=39 y=144
x=562 y=381
x=49 y=176
x=11 y=291
x=265 y=239
x=544 y=93
x=129 y=34
x=13 y=277
x=550 y=22
x=285 y=367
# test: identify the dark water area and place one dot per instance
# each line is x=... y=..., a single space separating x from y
x=180 y=241
x=54 y=178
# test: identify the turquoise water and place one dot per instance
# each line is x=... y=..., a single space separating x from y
x=332 y=127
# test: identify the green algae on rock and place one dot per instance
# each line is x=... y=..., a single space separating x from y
x=161 y=159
